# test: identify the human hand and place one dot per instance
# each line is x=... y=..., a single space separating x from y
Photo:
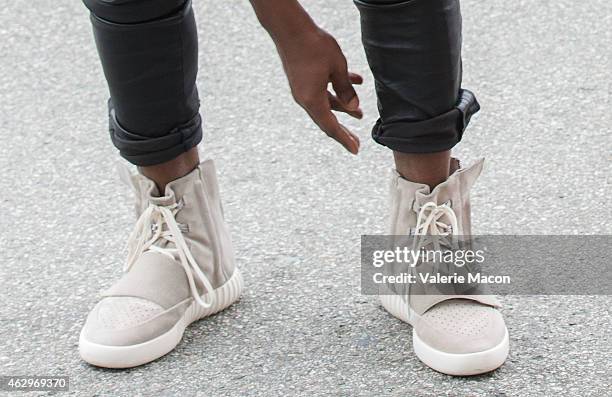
x=312 y=61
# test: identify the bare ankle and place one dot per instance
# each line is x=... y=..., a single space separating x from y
x=164 y=173
x=428 y=168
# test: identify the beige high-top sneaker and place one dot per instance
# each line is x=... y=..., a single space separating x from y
x=453 y=334
x=180 y=268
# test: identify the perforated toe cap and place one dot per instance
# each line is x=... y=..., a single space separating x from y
x=123 y=321
x=117 y=313
x=459 y=326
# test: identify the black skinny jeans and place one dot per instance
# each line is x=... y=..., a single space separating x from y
x=148 y=50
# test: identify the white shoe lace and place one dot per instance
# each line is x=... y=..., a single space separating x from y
x=431 y=230
x=149 y=229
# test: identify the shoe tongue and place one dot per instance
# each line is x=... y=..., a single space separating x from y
x=438 y=196
x=183 y=185
x=173 y=191
x=163 y=201
x=441 y=194
x=460 y=182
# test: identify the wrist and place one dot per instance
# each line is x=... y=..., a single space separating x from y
x=294 y=34
x=285 y=20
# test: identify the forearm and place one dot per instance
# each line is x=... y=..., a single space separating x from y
x=283 y=19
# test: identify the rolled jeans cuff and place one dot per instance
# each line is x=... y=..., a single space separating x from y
x=145 y=150
x=436 y=134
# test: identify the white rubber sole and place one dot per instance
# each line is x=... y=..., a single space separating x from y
x=142 y=353
x=447 y=363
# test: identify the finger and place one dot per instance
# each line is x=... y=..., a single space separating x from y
x=337 y=105
x=322 y=115
x=355 y=78
x=354 y=139
x=344 y=89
